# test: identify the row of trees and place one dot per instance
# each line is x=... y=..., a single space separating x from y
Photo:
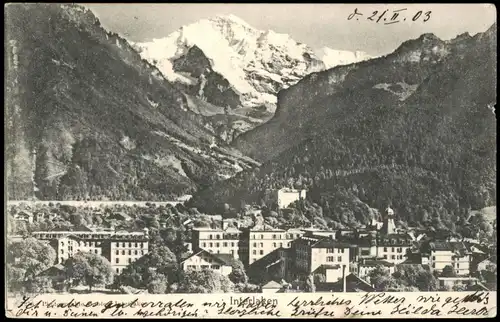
x=158 y=271
x=29 y=259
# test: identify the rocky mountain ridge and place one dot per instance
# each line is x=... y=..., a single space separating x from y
x=87 y=117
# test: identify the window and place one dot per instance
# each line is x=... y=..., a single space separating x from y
x=392 y=250
x=129 y=244
x=62 y=251
x=203 y=245
x=339 y=259
x=274 y=245
x=224 y=244
x=261 y=244
x=130 y=260
x=254 y=244
x=458 y=265
x=123 y=252
x=210 y=237
x=261 y=236
x=385 y=256
x=232 y=252
x=254 y=252
x=210 y=244
x=385 y=249
x=400 y=250
x=393 y=257
x=261 y=252
x=274 y=236
x=330 y=259
x=62 y=243
x=142 y=245
x=96 y=251
x=135 y=252
x=217 y=236
x=117 y=260
x=232 y=244
x=117 y=252
x=117 y=271
x=342 y=250
x=289 y=244
x=281 y=244
x=217 y=244
x=136 y=245
x=142 y=252
x=215 y=266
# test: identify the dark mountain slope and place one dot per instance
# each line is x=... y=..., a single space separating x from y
x=383 y=131
x=87 y=117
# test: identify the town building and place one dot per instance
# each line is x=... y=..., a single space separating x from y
x=284 y=197
x=262 y=240
x=120 y=248
x=393 y=247
x=445 y=253
x=365 y=266
x=318 y=252
x=224 y=240
x=202 y=259
x=271 y=287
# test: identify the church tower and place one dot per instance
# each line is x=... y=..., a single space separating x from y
x=389 y=226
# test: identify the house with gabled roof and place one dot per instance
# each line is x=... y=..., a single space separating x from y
x=271 y=287
x=203 y=259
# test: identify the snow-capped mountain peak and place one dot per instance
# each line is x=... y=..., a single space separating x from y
x=235 y=64
x=333 y=57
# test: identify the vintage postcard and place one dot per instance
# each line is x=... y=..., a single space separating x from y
x=250 y=160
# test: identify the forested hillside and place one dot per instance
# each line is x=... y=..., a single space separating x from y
x=86 y=117
x=415 y=129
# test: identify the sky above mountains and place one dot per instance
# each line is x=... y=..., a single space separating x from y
x=317 y=25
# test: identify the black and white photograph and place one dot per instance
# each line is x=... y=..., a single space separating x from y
x=250 y=148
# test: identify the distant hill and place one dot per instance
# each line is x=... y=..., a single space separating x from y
x=86 y=117
x=415 y=129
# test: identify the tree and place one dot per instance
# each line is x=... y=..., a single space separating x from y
x=205 y=281
x=381 y=279
x=26 y=259
x=158 y=284
x=161 y=260
x=238 y=275
x=90 y=269
x=40 y=285
x=448 y=271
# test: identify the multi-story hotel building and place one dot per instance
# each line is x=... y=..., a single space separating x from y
x=261 y=241
x=393 y=247
x=218 y=241
x=119 y=248
x=314 y=252
x=454 y=254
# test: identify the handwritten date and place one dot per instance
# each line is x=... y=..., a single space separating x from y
x=389 y=17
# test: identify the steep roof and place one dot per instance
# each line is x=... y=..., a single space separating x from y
x=225 y=259
x=330 y=243
x=271 y=285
